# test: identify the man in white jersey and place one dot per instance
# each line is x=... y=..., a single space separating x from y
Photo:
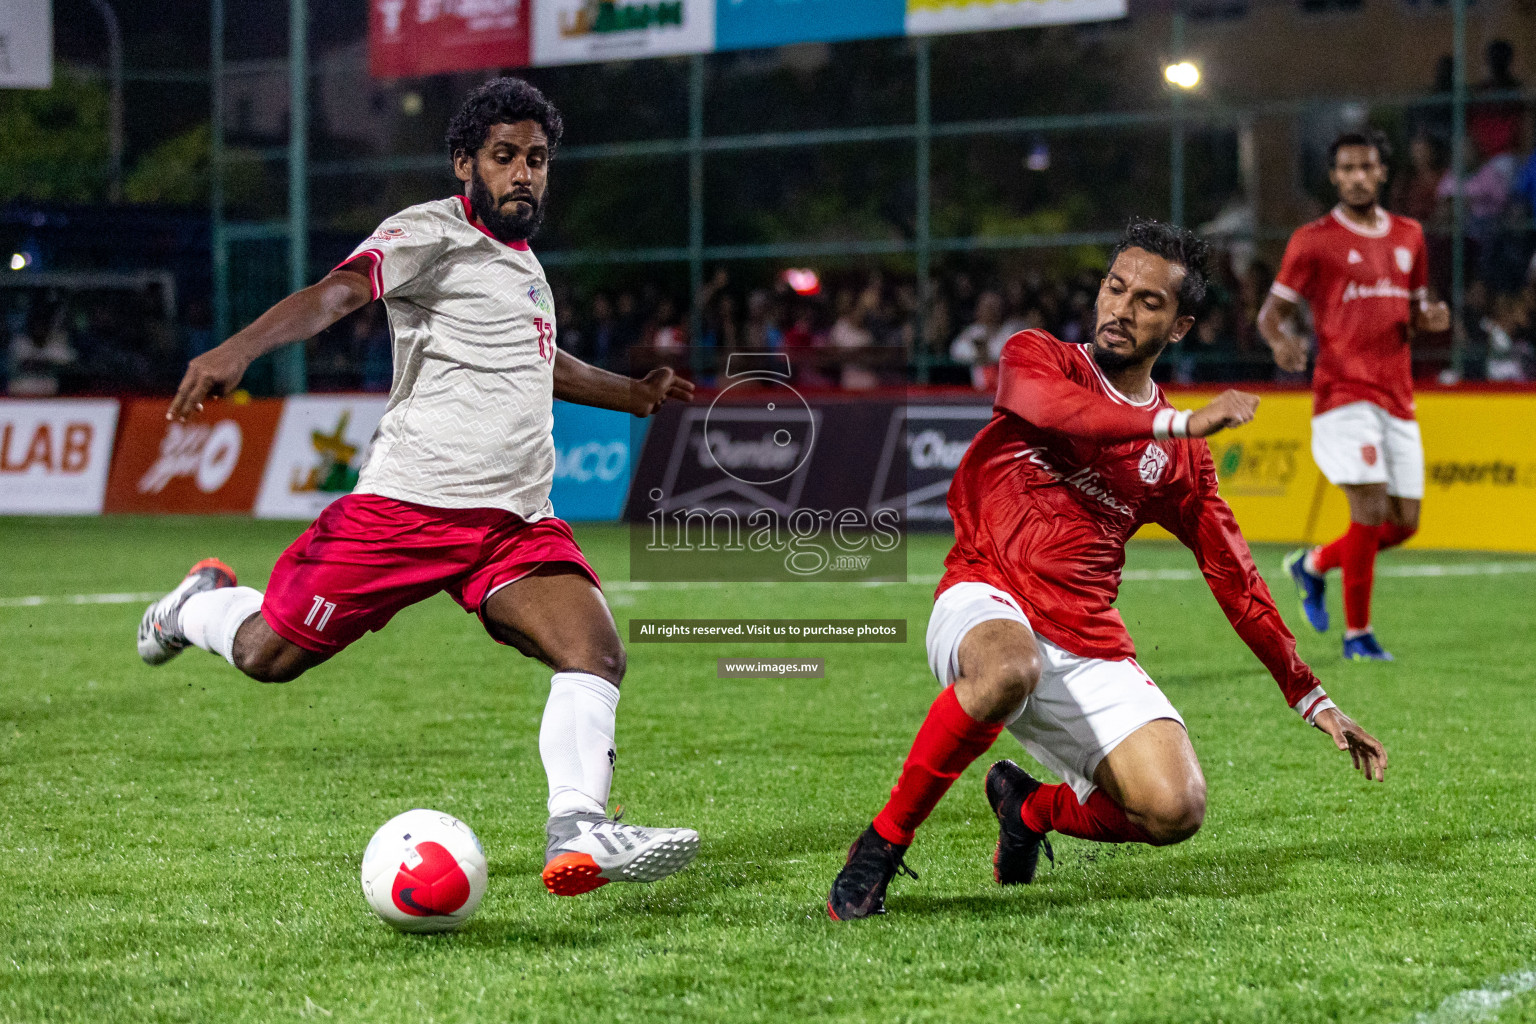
x=455 y=492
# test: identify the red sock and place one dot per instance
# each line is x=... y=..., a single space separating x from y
x=1359 y=565
x=1390 y=535
x=1055 y=808
x=1330 y=555
x=947 y=742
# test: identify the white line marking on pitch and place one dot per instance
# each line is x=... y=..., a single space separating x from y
x=926 y=580
x=37 y=600
x=1479 y=1003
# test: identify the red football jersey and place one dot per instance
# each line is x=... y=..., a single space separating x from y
x=1060 y=478
x=1361 y=284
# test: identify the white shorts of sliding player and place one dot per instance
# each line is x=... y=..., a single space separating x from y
x=1082 y=708
x=1360 y=443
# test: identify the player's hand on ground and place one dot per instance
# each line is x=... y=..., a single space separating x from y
x=1228 y=409
x=1434 y=317
x=661 y=384
x=1365 y=750
x=211 y=375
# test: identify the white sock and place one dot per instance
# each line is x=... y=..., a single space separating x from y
x=211 y=619
x=576 y=742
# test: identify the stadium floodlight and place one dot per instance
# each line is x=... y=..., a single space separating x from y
x=1185 y=74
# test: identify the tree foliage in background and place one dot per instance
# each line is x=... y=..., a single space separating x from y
x=53 y=142
x=176 y=171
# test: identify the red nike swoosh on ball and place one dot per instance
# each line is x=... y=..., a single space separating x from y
x=436 y=887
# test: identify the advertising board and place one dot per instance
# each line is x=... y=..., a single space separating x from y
x=425 y=37
x=54 y=455
x=321 y=443
x=575 y=31
x=212 y=463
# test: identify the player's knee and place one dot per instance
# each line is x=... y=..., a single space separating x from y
x=1369 y=511
x=1003 y=686
x=270 y=663
x=1174 y=814
x=1017 y=676
x=608 y=661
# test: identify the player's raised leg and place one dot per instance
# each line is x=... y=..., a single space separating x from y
x=1148 y=789
x=979 y=643
x=212 y=611
x=557 y=615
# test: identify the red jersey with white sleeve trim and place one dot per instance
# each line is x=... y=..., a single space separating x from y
x=1361 y=284
x=1065 y=472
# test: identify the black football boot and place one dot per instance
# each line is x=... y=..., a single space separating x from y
x=1018 y=848
x=859 y=889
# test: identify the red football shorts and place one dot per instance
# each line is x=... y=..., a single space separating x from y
x=369 y=556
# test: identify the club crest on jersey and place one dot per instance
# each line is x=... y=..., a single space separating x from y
x=1404 y=258
x=1355 y=257
x=538 y=298
x=389 y=235
x=1153 y=461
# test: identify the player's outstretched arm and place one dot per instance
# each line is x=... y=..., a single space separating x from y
x=301 y=315
x=1033 y=384
x=584 y=384
x=1277 y=325
x=1204 y=523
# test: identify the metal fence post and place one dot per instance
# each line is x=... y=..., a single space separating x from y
x=115 y=112
x=1176 y=131
x=218 y=244
x=1459 y=196
x=696 y=208
x=924 y=226
x=290 y=363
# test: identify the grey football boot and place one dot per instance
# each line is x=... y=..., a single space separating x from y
x=587 y=850
x=160 y=635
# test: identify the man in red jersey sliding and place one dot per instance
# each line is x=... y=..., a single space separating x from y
x=1081 y=451
x=1365 y=274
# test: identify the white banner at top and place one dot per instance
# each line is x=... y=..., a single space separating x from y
x=577 y=31
x=931 y=17
x=26 y=44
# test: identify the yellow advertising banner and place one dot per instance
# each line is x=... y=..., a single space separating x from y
x=1480 y=472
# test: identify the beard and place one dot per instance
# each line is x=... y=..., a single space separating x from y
x=1111 y=361
x=507 y=226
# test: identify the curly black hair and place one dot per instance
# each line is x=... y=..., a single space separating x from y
x=1374 y=138
x=1176 y=245
x=502 y=101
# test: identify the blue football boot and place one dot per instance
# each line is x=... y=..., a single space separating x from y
x=1310 y=587
x=1364 y=648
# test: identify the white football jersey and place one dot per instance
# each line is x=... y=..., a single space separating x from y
x=471 y=410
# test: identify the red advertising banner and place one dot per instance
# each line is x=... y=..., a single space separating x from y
x=427 y=37
x=211 y=464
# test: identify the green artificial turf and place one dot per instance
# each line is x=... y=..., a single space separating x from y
x=183 y=844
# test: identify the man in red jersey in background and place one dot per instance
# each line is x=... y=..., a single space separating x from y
x=1081 y=451
x=1365 y=274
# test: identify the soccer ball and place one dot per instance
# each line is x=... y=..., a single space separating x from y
x=424 y=871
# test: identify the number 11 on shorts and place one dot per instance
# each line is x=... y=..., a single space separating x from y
x=321 y=609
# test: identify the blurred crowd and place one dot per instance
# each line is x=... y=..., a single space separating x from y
x=861 y=330
x=60 y=341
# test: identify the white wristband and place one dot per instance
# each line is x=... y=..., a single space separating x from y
x=1180 y=426
x=1161 y=423
x=1315 y=702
